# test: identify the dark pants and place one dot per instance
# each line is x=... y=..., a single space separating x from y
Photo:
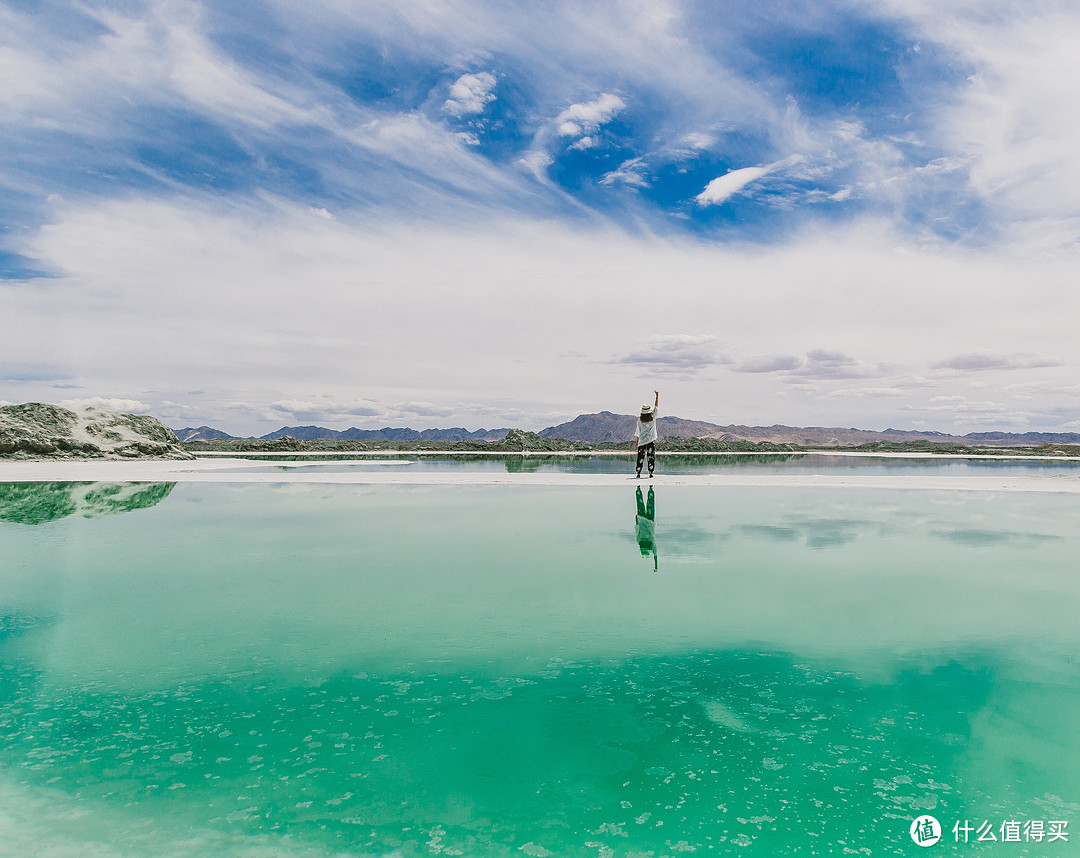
x=642 y=451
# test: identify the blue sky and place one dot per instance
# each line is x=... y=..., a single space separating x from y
x=474 y=213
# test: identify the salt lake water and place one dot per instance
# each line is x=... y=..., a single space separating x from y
x=312 y=669
x=779 y=463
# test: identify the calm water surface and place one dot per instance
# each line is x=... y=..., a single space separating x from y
x=780 y=463
x=344 y=670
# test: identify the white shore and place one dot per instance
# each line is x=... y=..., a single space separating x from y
x=223 y=470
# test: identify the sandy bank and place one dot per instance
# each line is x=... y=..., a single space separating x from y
x=248 y=471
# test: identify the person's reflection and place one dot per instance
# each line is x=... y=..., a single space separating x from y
x=645 y=523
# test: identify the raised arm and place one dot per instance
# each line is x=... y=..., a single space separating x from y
x=656 y=402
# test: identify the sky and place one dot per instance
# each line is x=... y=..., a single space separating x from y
x=494 y=214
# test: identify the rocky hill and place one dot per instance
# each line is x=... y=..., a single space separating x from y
x=37 y=430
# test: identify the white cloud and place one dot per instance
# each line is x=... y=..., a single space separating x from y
x=946 y=164
x=536 y=162
x=585 y=143
x=587 y=117
x=255 y=304
x=132 y=406
x=722 y=187
x=631 y=172
x=698 y=140
x=470 y=94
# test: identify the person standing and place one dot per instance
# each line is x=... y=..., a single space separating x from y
x=645 y=437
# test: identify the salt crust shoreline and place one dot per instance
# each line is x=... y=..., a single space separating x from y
x=223 y=470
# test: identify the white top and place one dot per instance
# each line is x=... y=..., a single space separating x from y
x=646 y=432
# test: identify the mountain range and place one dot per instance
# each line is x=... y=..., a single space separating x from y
x=311 y=433
x=619 y=428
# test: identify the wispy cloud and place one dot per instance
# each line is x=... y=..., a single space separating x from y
x=1013 y=120
x=826 y=364
x=423 y=409
x=19 y=371
x=986 y=361
x=975 y=412
x=866 y=392
x=677 y=353
x=323 y=408
x=768 y=363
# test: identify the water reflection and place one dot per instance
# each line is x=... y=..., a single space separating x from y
x=994 y=538
x=645 y=526
x=525 y=464
x=403 y=670
x=38 y=503
x=619 y=463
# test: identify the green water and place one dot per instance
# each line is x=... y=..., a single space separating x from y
x=341 y=670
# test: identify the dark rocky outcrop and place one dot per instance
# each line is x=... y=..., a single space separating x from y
x=517 y=441
x=38 y=430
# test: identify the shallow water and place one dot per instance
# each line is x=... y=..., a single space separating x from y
x=505 y=670
x=780 y=463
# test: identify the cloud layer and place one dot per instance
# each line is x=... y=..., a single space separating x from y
x=468 y=212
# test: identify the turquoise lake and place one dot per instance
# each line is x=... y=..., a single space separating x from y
x=505 y=670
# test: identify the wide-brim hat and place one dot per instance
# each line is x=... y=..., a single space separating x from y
x=646 y=409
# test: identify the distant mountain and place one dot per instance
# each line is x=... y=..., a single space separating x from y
x=311 y=433
x=994 y=439
x=599 y=428
x=303 y=433
x=203 y=433
x=607 y=427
